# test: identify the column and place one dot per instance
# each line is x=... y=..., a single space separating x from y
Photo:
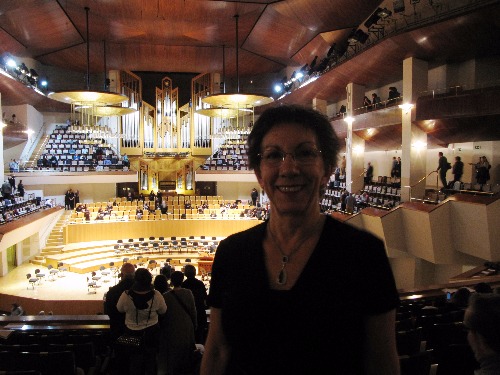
x=414 y=140
x=355 y=145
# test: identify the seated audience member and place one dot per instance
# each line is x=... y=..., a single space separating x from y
x=16 y=310
x=460 y=299
x=482 y=319
x=483 y=288
x=375 y=100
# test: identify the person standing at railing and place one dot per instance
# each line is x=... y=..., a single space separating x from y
x=367 y=103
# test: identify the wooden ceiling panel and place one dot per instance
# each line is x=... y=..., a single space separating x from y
x=319 y=46
x=272 y=36
x=45 y=26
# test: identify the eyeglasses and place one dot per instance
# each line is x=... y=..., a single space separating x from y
x=302 y=156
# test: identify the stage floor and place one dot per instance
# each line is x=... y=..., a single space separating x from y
x=73 y=286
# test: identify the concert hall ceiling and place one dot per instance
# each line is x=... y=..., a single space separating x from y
x=188 y=36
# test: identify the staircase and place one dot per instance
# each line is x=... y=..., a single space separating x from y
x=54 y=242
x=37 y=153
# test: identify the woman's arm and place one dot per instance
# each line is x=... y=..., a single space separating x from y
x=381 y=355
x=216 y=353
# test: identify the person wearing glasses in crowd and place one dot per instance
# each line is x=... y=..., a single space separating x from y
x=283 y=291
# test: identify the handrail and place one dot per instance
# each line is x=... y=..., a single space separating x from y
x=423 y=179
x=357 y=177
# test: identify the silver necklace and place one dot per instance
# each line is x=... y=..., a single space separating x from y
x=282 y=276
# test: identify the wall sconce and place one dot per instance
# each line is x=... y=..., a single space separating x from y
x=358 y=149
x=406 y=107
x=419 y=145
x=30 y=132
x=349 y=120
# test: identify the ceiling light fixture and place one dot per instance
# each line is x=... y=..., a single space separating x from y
x=237 y=100
x=91 y=104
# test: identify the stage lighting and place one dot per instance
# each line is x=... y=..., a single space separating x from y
x=44 y=83
x=278 y=87
x=384 y=13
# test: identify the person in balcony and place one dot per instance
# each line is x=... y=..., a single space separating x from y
x=375 y=100
x=367 y=103
x=393 y=95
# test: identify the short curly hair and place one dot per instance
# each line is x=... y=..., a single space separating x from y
x=294 y=114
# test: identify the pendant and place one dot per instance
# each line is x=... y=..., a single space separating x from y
x=281 y=279
x=282 y=276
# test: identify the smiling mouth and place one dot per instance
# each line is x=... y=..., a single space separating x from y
x=289 y=189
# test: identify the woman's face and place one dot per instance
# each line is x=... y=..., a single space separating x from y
x=293 y=187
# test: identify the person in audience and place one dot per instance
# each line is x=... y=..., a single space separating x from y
x=460 y=299
x=269 y=311
x=369 y=174
x=167 y=270
x=12 y=182
x=393 y=95
x=367 y=102
x=116 y=318
x=197 y=287
x=12 y=166
x=177 y=340
x=66 y=200
x=337 y=175
x=20 y=188
x=393 y=166
x=161 y=283
x=343 y=201
x=53 y=161
x=6 y=190
x=457 y=169
x=77 y=198
x=483 y=288
x=16 y=310
x=482 y=320
x=482 y=172
x=442 y=169
x=375 y=100
x=254 y=195
x=350 y=202
x=125 y=160
x=343 y=164
x=398 y=167
x=142 y=305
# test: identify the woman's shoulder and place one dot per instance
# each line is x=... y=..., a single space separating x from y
x=344 y=233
